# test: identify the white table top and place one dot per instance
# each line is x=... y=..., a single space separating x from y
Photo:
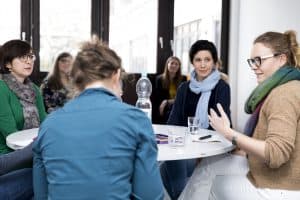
x=20 y=139
x=191 y=149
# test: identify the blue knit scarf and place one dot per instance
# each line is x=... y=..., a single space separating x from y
x=204 y=87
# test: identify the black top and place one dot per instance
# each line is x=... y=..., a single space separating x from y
x=161 y=94
x=186 y=102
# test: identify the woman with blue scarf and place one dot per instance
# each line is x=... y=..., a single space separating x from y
x=271 y=140
x=194 y=98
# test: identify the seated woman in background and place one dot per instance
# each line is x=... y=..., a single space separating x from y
x=272 y=135
x=57 y=86
x=166 y=85
x=21 y=108
x=219 y=66
x=194 y=98
x=96 y=146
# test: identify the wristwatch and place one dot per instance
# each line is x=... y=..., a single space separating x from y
x=233 y=140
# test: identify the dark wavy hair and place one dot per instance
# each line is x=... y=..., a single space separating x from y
x=10 y=50
x=203 y=45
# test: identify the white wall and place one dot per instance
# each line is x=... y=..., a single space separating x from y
x=250 y=18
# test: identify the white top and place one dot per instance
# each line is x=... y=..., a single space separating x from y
x=193 y=148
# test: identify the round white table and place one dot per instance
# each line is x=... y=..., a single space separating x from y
x=21 y=139
x=193 y=148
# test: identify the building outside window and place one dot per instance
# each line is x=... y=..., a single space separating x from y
x=10 y=20
x=194 y=20
x=63 y=25
x=133 y=32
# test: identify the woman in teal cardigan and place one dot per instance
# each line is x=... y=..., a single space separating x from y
x=21 y=108
x=106 y=148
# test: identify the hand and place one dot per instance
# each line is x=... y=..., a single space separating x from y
x=162 y=107
x=220 y=124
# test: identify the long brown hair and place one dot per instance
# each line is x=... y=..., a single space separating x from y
x=54 y=79
x=166 y=79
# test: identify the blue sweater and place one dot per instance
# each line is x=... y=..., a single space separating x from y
x=96 y=147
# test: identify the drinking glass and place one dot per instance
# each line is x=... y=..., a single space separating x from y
x=176 y=137
x=193 y=125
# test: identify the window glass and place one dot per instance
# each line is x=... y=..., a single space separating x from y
x=194 y=20
x=10 y=20
x=63 y=25
x=133 y=32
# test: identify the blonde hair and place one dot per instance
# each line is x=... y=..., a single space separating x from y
x=95 y=61
x=166 y=79
x=283 y=43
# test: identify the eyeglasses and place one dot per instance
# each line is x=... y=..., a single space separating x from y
x=27 y=57
x=256 y=61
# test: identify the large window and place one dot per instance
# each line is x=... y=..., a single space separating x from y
x=143 y=32
x=133 y=33
x=63 y=25
x=194 y=20
x=10 y=20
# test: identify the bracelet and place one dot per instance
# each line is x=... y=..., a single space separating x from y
x=233 y=140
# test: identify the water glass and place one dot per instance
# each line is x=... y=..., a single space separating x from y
x=193 y=125
x=176 y=138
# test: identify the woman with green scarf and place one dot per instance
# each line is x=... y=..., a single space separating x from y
x=269 y=165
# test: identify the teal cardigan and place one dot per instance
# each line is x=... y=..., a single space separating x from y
x=11 y=113
x=106 y=148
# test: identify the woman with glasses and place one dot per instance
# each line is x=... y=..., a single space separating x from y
x=56 y=89
x=271 y=140
x=194 y=98
x=21 y=108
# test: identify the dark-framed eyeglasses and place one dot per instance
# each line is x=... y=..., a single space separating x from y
x=256 y=61
x=26 y=57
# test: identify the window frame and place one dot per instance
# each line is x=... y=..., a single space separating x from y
x=30 y=27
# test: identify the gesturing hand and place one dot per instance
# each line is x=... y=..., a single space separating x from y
x=220 y=124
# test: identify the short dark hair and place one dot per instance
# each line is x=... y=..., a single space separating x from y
x=203 y=45
x=12 y=49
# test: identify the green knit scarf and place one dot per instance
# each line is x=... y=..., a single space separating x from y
x=281 y=76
